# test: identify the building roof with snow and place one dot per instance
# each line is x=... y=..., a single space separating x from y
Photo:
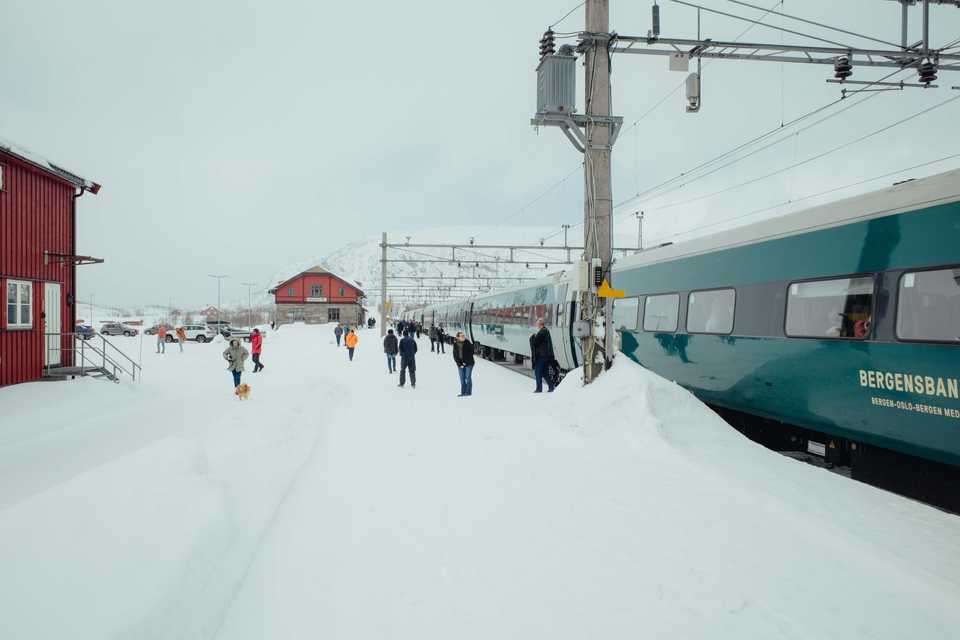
x=45 y=165
x=318 y=270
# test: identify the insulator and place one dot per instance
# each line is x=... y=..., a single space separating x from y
x=842 y=69
x=656 y=19
x=927 y=72
x=547 y=45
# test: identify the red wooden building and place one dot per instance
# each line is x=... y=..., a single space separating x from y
x=318 y=295
x=38 y=259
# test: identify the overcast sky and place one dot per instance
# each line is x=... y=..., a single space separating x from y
x=240 y=137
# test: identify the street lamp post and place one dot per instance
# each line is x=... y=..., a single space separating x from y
x=219 y=279
x=248 y=285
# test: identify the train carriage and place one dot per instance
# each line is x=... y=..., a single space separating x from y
x=835 y=329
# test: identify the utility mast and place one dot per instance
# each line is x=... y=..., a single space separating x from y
x=594 y=134
x=598 y=190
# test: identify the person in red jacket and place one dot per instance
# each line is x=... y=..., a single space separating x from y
x=256 y=346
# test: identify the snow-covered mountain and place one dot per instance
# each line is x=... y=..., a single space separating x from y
x=360 y=261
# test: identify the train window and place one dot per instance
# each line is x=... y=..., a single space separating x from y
x=839 y=308
x=625 y=314
x=711 y=311
x=661 y=313
x=929 y=306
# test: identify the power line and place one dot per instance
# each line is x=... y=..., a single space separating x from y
x=566 y=15
x=808 y=197
x=812 y=158
x=771 y=132
x=540 y=197
x=769 y=26
x=818 y=24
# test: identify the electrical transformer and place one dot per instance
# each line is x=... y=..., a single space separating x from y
x=557 y=84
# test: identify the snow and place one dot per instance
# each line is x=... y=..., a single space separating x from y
x=334 y=504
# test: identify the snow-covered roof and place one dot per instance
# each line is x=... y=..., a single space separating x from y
x=318 y=269
x=42 y=163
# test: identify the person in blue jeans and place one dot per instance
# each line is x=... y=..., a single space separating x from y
x=391 y=347
x=463 y=356
x=235 y=355
x=541 y=350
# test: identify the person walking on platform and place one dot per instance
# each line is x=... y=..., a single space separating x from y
x=256 y=346
x=235 y=355
x=408 y=360
x=541 y=350
x=419 y=330
x=162 y=338
x=391 y=347
x=433 y=338
x=351 y=341
x=441 y=336
x=338 y=331
x=181 y=337
x=463 y=356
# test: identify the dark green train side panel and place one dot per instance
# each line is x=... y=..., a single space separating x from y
x=817 y=384
x=807 y=382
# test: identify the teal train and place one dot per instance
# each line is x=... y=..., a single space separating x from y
x=834 y=330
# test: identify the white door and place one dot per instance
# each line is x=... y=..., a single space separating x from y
x=51 y=324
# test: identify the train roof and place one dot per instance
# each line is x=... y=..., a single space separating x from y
x=903 y=197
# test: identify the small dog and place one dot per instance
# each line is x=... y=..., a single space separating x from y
x=243 y=391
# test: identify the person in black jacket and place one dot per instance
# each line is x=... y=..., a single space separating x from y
x=391 y=347
x=463 y=356
x=541 y=350
x=441 y=337
x=408 y=360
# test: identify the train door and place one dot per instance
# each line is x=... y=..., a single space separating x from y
x=559 y=330
x=468 y=321
x=573 y=345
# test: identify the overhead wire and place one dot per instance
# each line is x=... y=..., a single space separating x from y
x=808 y=197
x=812 y=158
x=566 y=15
x=818 y=24
x=762 y=24
x=771 y=132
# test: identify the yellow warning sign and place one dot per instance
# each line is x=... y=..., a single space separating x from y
x=606 y=292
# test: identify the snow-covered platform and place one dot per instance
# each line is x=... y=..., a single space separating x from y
x=333 y=504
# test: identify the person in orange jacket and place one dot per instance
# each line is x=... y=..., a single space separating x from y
x=181 y=337
x=351 y=341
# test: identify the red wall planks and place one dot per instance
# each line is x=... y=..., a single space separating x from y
x=36 y=215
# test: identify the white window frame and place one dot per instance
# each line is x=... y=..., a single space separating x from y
x=17 y=305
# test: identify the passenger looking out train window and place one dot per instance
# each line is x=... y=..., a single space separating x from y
x=625 y=314
x=711 y=311
x=929 y=306
x=660 y=313
x=838 y=308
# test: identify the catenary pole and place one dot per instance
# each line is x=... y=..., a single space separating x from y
x=598 y=189
x=383 y=284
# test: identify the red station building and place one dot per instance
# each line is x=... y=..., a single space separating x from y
x=38 y=260
x=318 y=295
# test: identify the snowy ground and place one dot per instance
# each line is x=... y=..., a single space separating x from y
x=335 y=505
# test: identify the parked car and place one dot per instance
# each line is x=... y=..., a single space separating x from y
x=238 y=332
x=84 y=331
x=219 y=326
x=117 y=329
x=195 y=332
x=152 y=331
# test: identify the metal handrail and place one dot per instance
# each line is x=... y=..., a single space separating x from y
x=99 y=358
